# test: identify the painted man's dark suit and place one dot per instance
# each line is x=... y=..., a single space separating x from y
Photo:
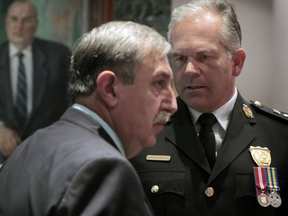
x=50 y=99
x=70 y=168
x=181 y=181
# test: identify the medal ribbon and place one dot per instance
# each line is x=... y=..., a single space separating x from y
x=260 y=180
x=272 y=179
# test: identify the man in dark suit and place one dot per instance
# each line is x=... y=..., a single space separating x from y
x=46 y=66
x=120 y=81
x=179 y=174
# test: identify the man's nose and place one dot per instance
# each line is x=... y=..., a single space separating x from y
x=19 y=24
x=172 y=104
x=191 y=68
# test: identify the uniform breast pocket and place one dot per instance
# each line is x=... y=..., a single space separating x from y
x=245 y=184
x=164 y=189
x=246 y=198
x=161 y=182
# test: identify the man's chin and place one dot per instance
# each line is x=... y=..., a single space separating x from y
x=151 y=142
x=158 y=128
x=20 y=42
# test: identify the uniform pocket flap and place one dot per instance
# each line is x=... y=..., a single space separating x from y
x=159 y=182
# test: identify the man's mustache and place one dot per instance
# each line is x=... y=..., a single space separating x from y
x=162 y=116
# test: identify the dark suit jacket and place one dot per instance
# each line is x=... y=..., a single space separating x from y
x=70 y=168
x=182 y=180
x=50 y=78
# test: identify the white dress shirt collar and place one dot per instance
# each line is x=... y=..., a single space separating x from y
x=14 y=51
x=222 y=114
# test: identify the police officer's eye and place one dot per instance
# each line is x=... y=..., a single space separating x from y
x=180 y=58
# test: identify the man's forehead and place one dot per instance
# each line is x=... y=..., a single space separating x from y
x=21 y=9
x=158 y=66
x=200 y=47
x=163 y=69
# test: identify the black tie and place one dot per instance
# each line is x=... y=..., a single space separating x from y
x=206 y=136
x=21 y=99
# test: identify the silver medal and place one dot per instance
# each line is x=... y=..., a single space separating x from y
x=263 y=200
x=275 y=199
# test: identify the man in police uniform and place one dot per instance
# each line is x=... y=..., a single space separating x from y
x=247 y=171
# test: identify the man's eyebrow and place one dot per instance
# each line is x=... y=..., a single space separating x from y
x=176 y=53
x=205 y=50
x=26 y=17
x=163 y=74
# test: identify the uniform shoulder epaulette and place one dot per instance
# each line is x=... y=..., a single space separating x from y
x=273 y=112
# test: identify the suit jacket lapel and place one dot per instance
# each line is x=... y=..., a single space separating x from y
x=238 y=136
x=106 y=136
x=183 y=135
x=6 y=97
x=40 y=75
x=88 y=122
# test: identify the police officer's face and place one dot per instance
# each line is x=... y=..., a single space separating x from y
x=203 y=72
x=21 y=24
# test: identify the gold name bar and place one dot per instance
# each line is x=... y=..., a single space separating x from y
x=158 y=158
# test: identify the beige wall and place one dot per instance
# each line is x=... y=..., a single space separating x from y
x=265 y=39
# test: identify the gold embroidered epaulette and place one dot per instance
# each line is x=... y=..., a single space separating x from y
x=271 y=111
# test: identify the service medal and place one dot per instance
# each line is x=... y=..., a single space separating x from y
x=263 y=200
x=266 y=177
x=275 y=199
x=273 y=186
x=261 y=186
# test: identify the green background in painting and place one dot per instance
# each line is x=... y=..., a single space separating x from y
x=58 y=20
x=62 y=21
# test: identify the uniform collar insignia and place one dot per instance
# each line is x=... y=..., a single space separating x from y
x=247 y=111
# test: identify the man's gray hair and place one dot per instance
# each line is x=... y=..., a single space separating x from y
x=118 y=46
x=231 y=35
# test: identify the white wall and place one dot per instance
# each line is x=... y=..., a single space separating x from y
x=279 y=71
x=264 y=26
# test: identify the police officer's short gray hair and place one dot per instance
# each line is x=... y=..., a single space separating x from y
x=231 y=35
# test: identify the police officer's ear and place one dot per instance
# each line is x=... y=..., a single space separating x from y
x=106 y=82
x=238 y=59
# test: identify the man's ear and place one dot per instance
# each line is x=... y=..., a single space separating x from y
x=106 y=82
x=238 y=59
